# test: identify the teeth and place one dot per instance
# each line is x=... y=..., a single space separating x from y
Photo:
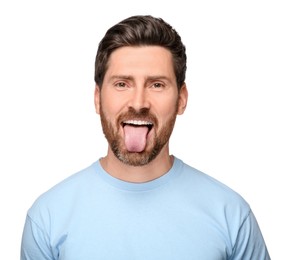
x=137 y=122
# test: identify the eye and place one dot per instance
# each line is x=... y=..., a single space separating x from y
x=120 y=84
x=157 y=85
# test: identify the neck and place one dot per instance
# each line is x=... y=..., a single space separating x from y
x=138 y=174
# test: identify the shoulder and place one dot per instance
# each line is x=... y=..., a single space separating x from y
x=65 y=192
x=209 y=189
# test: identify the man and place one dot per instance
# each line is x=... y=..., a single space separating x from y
x=140 y=202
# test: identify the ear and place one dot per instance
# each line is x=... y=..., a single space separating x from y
x=182 y=99
x=97 y=99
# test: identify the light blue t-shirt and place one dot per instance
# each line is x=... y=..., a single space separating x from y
x=183 y=215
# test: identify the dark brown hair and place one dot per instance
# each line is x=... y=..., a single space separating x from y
x=138 y=31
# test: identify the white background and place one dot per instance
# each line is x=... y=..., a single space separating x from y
x=237 y=127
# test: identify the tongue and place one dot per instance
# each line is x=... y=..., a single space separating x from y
x=135 y=138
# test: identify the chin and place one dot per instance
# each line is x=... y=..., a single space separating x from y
x=137 y=158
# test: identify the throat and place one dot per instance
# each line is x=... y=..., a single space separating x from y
x=133 y=174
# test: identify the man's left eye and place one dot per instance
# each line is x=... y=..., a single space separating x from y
x=157 y=85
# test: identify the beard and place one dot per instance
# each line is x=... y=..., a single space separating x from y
x=153 y=147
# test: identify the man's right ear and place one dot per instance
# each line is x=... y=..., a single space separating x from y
x=97 y=99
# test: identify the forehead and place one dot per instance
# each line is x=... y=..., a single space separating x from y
x=150 y=59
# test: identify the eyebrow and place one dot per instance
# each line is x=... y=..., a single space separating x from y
x=158 y=77
x=114 y=77
x=148 y=78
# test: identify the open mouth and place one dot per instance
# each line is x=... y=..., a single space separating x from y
x=138 y=123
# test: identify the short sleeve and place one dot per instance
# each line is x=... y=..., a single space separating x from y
x=250 y=244
x=35 y=243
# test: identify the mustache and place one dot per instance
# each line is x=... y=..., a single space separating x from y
x=141 y=114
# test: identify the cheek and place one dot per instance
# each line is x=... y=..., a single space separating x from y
x=111 y=109
x=166 y=115
x=110 y=106
x=166 y=108
x=112 y=102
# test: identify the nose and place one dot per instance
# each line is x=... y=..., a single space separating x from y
x=139 y=98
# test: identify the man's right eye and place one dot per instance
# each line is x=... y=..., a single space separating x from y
x=120 y=84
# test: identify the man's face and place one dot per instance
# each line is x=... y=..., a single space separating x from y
x=138 y=102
